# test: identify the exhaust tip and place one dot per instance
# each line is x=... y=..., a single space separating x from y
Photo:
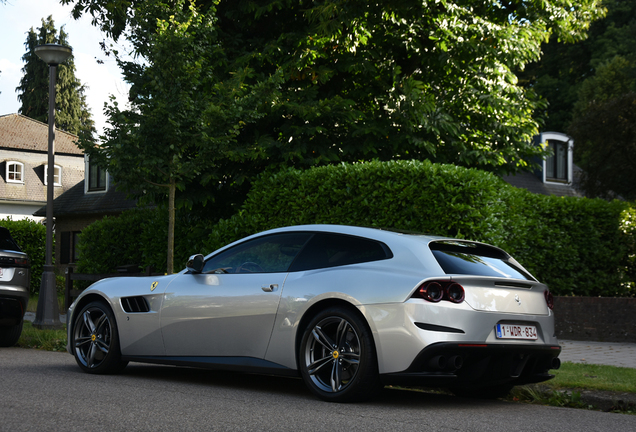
x=555 y=363
x=455 y=362
x=438 y=362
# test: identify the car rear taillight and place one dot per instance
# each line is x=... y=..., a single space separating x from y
x=431 y=291
x=14 y=262
x=435 y=291
x=455 y=293
x=549 y=298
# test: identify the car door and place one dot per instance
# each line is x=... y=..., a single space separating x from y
x=230 y=308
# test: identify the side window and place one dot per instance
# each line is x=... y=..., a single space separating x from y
x=331 y=250
x=270 y=254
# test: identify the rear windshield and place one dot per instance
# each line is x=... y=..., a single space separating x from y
x=7 y=242
x=475 y=259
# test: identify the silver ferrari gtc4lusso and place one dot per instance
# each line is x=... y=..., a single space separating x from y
x=348 y=309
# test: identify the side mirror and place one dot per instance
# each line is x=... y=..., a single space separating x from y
x=195 y=263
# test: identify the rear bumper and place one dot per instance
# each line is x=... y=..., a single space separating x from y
x=466 y=364
x=12 y=308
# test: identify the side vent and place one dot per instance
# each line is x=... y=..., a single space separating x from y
x=135 y=304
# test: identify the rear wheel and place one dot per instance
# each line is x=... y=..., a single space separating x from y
x=95 y=340
x=9 y=335
x=337 y=357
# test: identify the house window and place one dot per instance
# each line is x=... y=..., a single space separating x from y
x=57 y=175
x=557 y=164
x=15 y=172
x=69 y=252
x=96 y=178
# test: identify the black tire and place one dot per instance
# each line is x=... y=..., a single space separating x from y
x=9 y=335
x=95 y=340
x=337 y=357
x=490 y=392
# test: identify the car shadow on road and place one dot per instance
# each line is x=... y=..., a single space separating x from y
x=290 y=387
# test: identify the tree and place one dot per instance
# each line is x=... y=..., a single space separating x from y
x=386 y=80
x=72 y=113
x=183 y=119
x=604 y=131
x=342 y=81
x=563 y=67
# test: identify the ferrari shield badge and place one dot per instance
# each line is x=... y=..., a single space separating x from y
x=154 y=285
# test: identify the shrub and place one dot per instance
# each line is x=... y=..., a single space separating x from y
x=31 y=237
x=628 y=231
x=139 y=237
x=575 y=245
x=407 y=195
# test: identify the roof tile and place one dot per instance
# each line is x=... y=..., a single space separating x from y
x=23 y=133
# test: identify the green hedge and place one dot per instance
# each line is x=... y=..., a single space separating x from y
x=31 y=237
x=138 y=237
x=406 y=195
x=577 y=246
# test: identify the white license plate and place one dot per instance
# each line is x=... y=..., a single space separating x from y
x=514 y=331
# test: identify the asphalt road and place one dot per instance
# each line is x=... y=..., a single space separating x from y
x=46 y=391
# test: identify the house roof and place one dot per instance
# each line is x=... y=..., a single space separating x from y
x=18 y=132
x=75 y=202
x=531 y=182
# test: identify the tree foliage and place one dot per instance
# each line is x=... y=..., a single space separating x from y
x=409 y=79
x=72 y=113
x=605 y=137
x=183 y=117
x=564 y=67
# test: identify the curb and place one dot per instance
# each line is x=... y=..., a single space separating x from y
x=608 y=401
x=598 y=400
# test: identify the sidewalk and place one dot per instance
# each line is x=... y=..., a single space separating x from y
x=603 y=353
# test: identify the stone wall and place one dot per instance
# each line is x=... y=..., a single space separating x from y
x=603 y=319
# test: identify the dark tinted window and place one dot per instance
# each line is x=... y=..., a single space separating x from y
x=479 y=260
x=269 y=254
x=7 y=242
x=331 y=250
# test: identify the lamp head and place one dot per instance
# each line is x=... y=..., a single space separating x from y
x=53 y=54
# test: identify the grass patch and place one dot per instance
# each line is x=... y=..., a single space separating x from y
x=540 y=396
x=32 y=305
x=48 y=340
x=593 y=377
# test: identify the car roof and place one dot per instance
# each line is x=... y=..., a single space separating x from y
x=374 y=233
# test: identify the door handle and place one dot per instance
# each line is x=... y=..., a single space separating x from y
x=269 y=288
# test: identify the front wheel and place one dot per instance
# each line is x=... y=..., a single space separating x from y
x=95 y=340
x=337 y=357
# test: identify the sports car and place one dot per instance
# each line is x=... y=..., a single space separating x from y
x=348 y=309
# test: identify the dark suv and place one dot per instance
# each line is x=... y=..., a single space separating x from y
x=14 y=288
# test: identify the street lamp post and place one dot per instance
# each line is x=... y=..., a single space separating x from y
x=48 y=314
